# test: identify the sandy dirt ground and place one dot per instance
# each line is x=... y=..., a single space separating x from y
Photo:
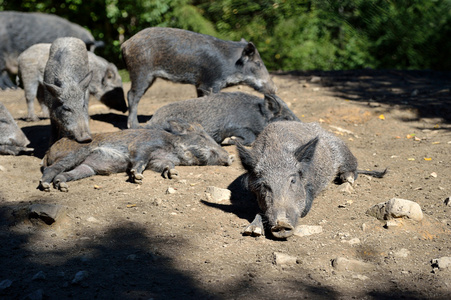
x=118 y=240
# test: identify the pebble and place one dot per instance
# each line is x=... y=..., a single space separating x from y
x=93 y=220
x=39 y=276
x=396 y=208
x=354 y=241
x=36 y=295
x=5 y=284
x=346 y=188
x=2 y=168
x=344 y=264
x=48 y=213
x=170 y=191
x=216 y=195
x=282 y=259
x=80 y=276
x=306 y=230
x=442 y=263
x=402 y=253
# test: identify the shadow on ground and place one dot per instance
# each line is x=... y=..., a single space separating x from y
x=427 y=92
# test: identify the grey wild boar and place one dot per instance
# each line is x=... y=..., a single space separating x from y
x=227 y=115
x=20 y=30
x=12 y=139
x=106 y=83
x=210 y=64
x=65 y=90
x=288 y=165
x=132 y=150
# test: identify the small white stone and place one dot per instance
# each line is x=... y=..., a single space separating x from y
x=81 y=275
x=344 y=264
x=170 y=190
x=398 y=208
x=284 y=259
x=402 y=253
x=306 y=230
x=442 y=263
x=353 y=241
x=39 y=276
x=216 y=195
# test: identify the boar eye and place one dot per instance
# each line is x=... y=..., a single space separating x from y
x=293 y=180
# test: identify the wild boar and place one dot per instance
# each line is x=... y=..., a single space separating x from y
x=210 y=64
x=288 y=165
x=227 y=115
x=106 y=83
x=132 y=150
x=66 y=81
x=12 y=139
x=20 y=30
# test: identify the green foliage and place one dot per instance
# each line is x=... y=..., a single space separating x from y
x=290 y=34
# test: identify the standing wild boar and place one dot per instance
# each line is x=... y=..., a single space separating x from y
x=132 y=151
x=288 y=165
x=65 y=86
x=20 y=30
x=183 y=56
x=12 y=139
x=225 y=115
x=106 y=83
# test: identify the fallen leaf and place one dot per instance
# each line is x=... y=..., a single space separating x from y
x=97 y=187
x=428 y=158
x=435 y=143
x=437 y=126
x=409 y=136
x=411 y=158
x=397 y=137
x=382 y=117
x=131 y=205
x=417 y=139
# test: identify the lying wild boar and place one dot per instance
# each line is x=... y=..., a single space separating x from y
x=12 y=140
x=133 y=151
x=65 y=90
x=106 y=83
x=20 y=30
x=288 y=165
x=183 y=56
x=225 y=115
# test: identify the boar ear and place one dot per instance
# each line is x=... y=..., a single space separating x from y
x=178 y=127
x=56 y=91
x=272 y=104
x=305 y=152
x=247 y=54
x=84 y=83
x=245 y=156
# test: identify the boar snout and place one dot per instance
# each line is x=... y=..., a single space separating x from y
x=282 y=228
x=84 y=138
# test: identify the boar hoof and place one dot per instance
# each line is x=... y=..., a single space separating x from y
x=256 y=227
x=62 y=186
x=137 y=177
x=44 y=186
x=230 y=160
x=173 y=173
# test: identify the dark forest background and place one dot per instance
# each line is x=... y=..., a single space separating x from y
x=290 y=34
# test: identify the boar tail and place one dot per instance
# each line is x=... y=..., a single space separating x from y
x=376 y=174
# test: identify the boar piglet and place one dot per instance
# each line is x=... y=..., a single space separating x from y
x=210 y=64
x=288 y=165
x=12 y=139
x=106 y=83
x=131 y=151
x=65 y=90
x=227 y=115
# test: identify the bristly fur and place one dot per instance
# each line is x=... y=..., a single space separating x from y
x=376 y=174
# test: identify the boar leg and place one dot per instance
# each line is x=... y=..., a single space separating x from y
x=165 y=166
x=256 y=227
x=135 y=93
x=82 y=171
